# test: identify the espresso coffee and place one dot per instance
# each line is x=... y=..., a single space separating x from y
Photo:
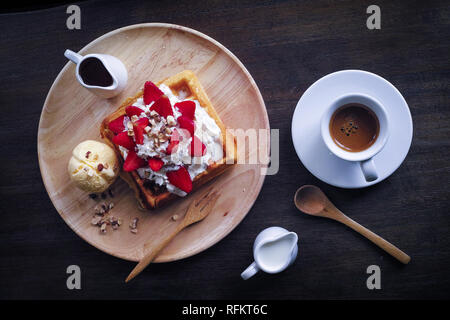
x=354 y=127
x=94 y=73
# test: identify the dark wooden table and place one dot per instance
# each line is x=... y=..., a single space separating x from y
x=286 y=46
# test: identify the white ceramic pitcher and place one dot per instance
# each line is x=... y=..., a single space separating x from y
x=274 y=250
x=113 y=66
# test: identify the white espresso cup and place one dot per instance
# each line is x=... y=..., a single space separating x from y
x=364 y=157
x=112 y=65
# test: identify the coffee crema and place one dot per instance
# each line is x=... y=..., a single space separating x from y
x=354 y=127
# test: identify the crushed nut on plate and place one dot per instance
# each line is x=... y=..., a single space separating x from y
x=96 y=220
x=133 y=223
x=102 y=219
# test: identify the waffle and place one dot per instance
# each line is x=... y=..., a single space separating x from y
x=148 y=194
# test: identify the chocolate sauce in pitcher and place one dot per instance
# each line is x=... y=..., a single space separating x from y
x=94 y=73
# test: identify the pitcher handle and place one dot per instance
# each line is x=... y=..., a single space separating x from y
x=250 y=271
x=73 y=56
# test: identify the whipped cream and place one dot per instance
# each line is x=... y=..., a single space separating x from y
x=206 y=129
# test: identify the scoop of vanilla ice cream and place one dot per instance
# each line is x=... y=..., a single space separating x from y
x=93 y=166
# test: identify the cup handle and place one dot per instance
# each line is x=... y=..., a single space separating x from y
x=250 y=271
x=73 y=56
x=369 y=170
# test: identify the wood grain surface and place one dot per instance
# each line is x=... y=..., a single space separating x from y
x=286 y=46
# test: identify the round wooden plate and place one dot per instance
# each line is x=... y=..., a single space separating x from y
x=72 y=114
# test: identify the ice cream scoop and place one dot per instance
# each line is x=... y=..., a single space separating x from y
x=93 y=166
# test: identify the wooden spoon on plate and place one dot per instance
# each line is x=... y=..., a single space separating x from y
x=196 y=212
x=311 y=200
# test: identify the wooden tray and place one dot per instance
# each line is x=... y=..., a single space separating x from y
x=72 y=114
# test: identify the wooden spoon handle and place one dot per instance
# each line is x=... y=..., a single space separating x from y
x=383 y=244
x=153 y=249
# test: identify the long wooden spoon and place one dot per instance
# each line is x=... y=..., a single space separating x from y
x=311 y=200
x=196 y=212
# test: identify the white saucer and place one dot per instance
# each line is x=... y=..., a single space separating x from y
x=313 y=152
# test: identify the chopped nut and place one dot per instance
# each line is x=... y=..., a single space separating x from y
x=95 y=157
x=171 y=121
x=175 y=217
x=100 y=167
x=130 y=132
x=111 y=205
x=105 y=206
x=134 y=231
x=133 y=223
x=119 y=222
x=99 y=210
x=95 y=221
x=103 y=228
x=114 y=226
x=106 y=166
x=168 y=130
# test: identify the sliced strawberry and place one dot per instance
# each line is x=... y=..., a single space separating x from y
x=175 y=139
x=116 y=125
x=180 y=179
x=172 y=147
x=133 y=162
x=151 y=92
x=155 y=163
x=139 y=129
x=187 y=124
x=138 y=134
x=186 y=108
x=133 y=111
x=124 y=140
x=198 y=148
x=162 y=106
x=143 y=122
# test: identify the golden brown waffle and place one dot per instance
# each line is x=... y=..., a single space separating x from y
x=149 y=195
